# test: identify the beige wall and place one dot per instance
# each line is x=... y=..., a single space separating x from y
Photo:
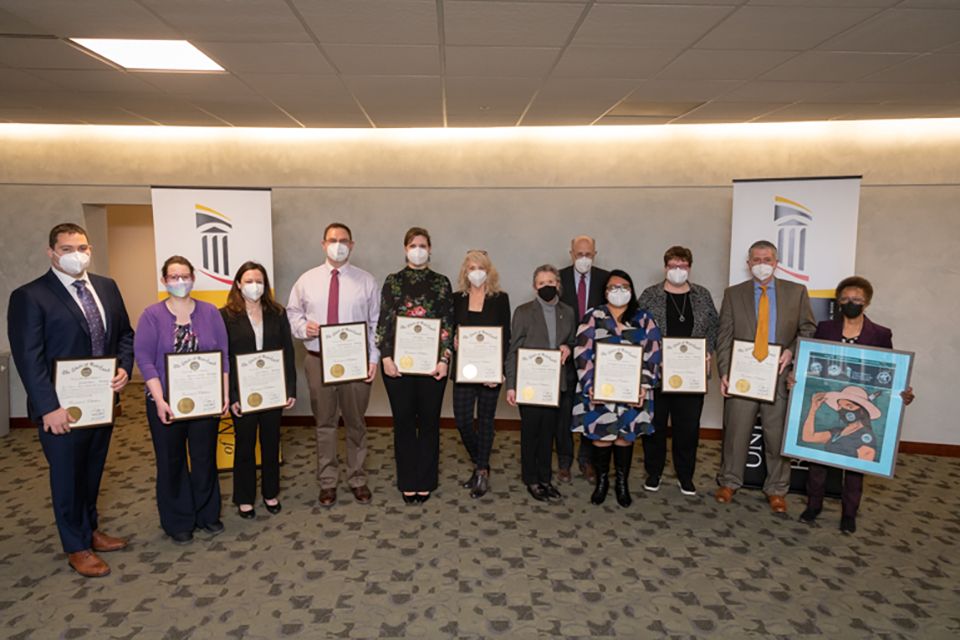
x=522 y=194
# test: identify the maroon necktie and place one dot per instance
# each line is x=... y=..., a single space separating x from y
x=333 y=301
x=582 y=294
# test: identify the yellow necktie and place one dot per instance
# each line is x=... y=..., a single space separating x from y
x=763 y=327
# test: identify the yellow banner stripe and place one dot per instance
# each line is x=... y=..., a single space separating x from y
x=209 y=210
x=796 y=204
x=216 y=298
x=821 y=293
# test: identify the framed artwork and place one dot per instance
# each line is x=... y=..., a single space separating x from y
x=845 y=410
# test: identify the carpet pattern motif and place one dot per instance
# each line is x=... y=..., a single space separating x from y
x=669 y=566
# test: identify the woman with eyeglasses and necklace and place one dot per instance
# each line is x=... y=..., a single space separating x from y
x=613 y=427
x=188 y=497
x=681 y=309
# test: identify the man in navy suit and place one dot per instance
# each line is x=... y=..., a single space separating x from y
x=68 y=313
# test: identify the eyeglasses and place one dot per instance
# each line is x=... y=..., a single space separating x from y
x=618 y=287
x=178 y=278
x=679 y=265
x=845 y=300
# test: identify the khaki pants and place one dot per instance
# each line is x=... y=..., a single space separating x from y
x=328 y=402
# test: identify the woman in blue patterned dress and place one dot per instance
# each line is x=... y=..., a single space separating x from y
x=614 y=426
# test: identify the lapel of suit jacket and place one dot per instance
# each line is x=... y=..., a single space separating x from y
x=597 y=291
x=746 y=299
x=54 y=284
x=269 y=329
x=539 y=321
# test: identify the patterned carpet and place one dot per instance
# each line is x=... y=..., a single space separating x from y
x=503 y=566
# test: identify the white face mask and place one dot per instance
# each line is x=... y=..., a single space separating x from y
x=418 y=256
x=678 y=276
x=761 y=271
x=252 y=291
x=619 y=297
x=582 y=265
x=337 y=251
x=74 y=263
x=477 y=277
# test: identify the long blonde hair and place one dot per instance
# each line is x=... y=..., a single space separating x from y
x=483 y=261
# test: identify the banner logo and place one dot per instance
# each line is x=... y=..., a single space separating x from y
x=214 y=229
x=792 y=220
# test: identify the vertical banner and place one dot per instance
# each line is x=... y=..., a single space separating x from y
x=813 y=222
x=215 y=229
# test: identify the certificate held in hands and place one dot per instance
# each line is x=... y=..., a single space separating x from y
x=343 y=352
x=195 y=384
x=684 y=365
x=752 y=378
x=538 y=377
x=417 y=345
x=83 y=388
x=480 y=354
x=616 y=373
x=261 y=381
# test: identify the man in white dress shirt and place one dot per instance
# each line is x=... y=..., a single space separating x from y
x=337 y=292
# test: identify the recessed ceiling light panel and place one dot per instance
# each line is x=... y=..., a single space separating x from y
x=150 y=55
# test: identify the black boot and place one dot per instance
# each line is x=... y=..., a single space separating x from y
x=601 y=463
x=621 y=462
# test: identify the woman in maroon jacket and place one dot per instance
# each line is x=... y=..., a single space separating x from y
x=850 y=326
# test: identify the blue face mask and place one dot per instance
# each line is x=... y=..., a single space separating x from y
x=180 y=289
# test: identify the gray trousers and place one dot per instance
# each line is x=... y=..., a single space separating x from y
x=328 y=402
x=739 y=418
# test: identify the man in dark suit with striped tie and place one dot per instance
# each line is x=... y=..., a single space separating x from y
x=67 y=314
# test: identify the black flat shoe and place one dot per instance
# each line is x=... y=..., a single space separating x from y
x=215 y=528
x=246 y=515
x=537 y=492
x=272 y=508
x=551 y=491
x=413 y=499
x=182 y=538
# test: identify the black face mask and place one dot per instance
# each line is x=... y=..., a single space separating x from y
x=851 y=309
x=548 y=293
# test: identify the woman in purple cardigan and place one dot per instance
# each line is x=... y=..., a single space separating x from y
x=187 y=497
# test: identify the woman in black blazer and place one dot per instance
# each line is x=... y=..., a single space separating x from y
x=479 y=302
x=256 y=322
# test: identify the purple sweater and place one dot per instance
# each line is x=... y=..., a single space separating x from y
x=155 y=331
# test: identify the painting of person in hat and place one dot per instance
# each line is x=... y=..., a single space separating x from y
x=856 y=411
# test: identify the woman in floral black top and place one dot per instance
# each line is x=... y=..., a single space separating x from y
x=415 y=400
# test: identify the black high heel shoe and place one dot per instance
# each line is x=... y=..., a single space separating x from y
x=411 y=499
x=421 y=498
x=246 y=515
x=272 y=508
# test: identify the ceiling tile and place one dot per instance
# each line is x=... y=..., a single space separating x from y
x=274 y=85
x=730 y=111
x=482 y=120
x=100 y=19
x=397 y=94
x=700 y=64
x=385 y=60
x=232 y=21
x=943 y=94
x=760 y=91
x=266 y=57
x=649 y=27
x=572 y=90
x=371 y=21
x=871 y=92
x=683 y=90
x=807 y=111
x=901 y=30
x=824 y=66
x=197 y=82
x=45 y=53
x=612 y=62
x=527 y=24
x=407 y=121
x=13 y=80
x=825 y=3
x=322 y=119
x=952 y=48
x=13 y=24
x=621 y=121
x=796 y=28
x=931 y=68
x=135 y=101
x=28 y=116
x=518 y=62
x=58 y=99
x=500 y=96
x=534 y=119
x=180 y=118
x=331 y=103
x=93 y=80
x=891 y=111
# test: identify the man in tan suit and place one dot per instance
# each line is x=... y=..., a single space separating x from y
x=785 y=308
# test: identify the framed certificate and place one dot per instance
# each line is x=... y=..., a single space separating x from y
x=751 y=378
x=684 y=368
x=416 y=347
x=538 y=377
x=616 y=372
x=195 y=384
x=846 y=410
x=83 y=388
x=261 y=381
x=480 y=354
x=343 y=352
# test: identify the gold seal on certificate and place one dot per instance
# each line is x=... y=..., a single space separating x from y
x=195 y=384
x=751 y=378
x=538 y=377
x=261 y=380
x=616 y=373
x=416 y=347
x=684 y=365
x=480 y=354
x=343 y=352
x=83 y=389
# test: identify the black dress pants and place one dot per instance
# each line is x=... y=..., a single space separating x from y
x=245 y=456
x=186 y=498
x=415 y=402
x=538 y=430
x=683 y=411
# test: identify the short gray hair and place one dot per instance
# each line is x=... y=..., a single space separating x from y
x=548 y=268
x=762 y=244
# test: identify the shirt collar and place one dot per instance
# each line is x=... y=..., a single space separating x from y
x=329 y=267
x=68 y=280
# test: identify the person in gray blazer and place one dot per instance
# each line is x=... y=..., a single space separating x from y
x=543 y=323
x=788 y=317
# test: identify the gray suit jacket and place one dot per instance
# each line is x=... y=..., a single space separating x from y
x=738 y=318
x=529 y=331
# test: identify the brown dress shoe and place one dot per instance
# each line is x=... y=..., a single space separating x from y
x=589 y=473
x=88 y=564
x=362 y=494
x=103 y=542
x=328 y=497
x=563 y=475
x=725 y=494
x=777 y=503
